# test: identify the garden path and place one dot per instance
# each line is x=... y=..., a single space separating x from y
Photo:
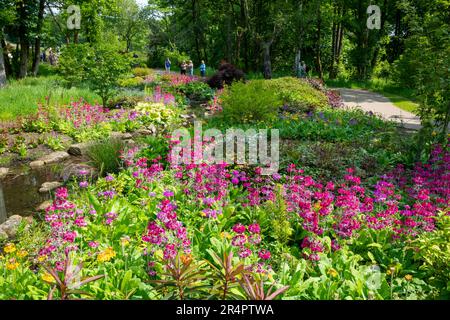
x=378 y=104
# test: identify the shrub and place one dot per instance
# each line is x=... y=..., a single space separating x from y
x=254 y=101
x=105 y=155
x=198 y=91
x=142 y=72
x=131 y=82
x=298 y=95
x=100 y=66
x=226 y=75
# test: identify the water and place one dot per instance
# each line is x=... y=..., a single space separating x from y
x=19 y=191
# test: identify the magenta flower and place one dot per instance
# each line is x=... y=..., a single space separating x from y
x=264 y=254
x=239 y=228
x=93 y=244
x=84 y=184
x=254 y=228
x=168 y=193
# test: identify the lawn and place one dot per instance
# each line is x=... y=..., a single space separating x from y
x=22 y=97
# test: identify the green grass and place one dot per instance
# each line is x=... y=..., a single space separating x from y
x=21 y=97
x=403 y=98
x=104 y=155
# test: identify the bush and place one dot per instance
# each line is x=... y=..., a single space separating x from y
x=255 y=101
x=198 y=91
x=142 y=72
x=131 y=82
x=101 y=67
x=105 y=155
x=297 y=95
x=226 y=75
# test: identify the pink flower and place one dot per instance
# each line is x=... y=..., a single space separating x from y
x=84 y=184
x=168 y=193
x=264 y=254
x=93 y=244
x=239 y=228
x=254 y=228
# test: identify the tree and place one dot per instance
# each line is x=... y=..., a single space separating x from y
x=37 y=41
x=129 y=23
x=2 y=69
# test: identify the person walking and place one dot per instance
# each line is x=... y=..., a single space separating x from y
x=51 y=57
x=203 y=69
x=183 y=67
x=190 y=68
x=168 y=65
x=304 y=69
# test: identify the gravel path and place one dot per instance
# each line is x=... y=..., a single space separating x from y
x=378 y=104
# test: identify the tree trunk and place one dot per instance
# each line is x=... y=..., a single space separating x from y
x=7 y=63
x=2 y=69
x=336 y=48
x=24 y=43
x=318 y=43
x=37 y=41
x=267 y=69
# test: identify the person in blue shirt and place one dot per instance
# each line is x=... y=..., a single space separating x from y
x=168 y=64
x=203 y=69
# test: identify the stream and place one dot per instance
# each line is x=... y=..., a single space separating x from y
x=19 y=190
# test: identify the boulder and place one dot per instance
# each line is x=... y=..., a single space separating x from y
x=55 y=157
x=121 y=136
x=79 y=149
x=3 y=234
x=11 y=226
x=37 y=164
x=74 y=171
x=44 y=205
x=152 y=128
x=3 y=172
x=142 y=133
x=49 y=186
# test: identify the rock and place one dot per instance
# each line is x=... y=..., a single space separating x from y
x=121 y=136
x=49 y=186
x=142 y=133
x=152 y=128
x=79 y=149
x=37 y=164
x=11 y=225
x=44 y=205
x=3 y=172
x=3 y=234
x=130 y=143
x=75 y=170
x=55 y=157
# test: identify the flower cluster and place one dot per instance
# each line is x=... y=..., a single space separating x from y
x=165 y=233
x=247 y=239
x=65 y=222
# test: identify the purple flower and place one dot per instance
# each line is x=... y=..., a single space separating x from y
x=168 y=193
x=84 y=184
x=109 y=178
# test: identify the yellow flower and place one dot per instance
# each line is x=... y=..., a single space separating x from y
x=22 y=254
x=42 y=258
x=106 y=255
x=12 y=264
x=333 y=273
x=125 y=240
x=47 y=277
x=186 y=259
x=434 y=133
x=317 y=206
x=9 y=248
x=225 y=235
x=408 y=277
